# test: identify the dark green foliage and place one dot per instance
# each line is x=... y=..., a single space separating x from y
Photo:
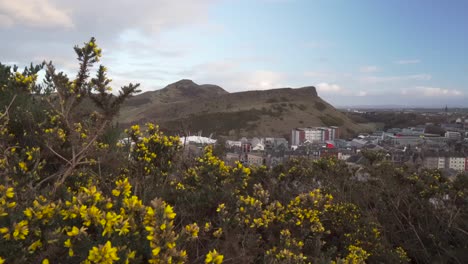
x=329 y=120
x=137 y=101
x=424 y=212
x=220 y=122
x=320 y=106
x=433 y=129
x=79 y=111
x=396 y=119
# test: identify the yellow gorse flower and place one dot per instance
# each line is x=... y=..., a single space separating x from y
x=10 y=193
x=103 y=254
x=192 y=230
x=73 y=232
x=169 y=212
x=20 y=230
x=22 y=165
x=214 y=257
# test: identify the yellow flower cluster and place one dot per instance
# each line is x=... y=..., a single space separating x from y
x=159 y=226
x=214 y=257
x=213 y=174
x=303 y=210
x=105 y=254
x=87 y=216
x=356 y=255
x=18 y=232
x=6 y=200
x=152 y=149
x=192 y=230
x=123 y=187
x=25 y=81
x=41 y=211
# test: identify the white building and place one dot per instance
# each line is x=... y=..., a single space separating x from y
x=258 y=147
x=456 y=163
x=313 y=135
x=441 y=163
x=343 y=156
x=232 y=143
x=453 y=135
x=255 y=159
x=197 y=140
x=297 y=137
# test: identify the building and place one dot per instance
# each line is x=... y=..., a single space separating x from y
x=431 y=162
x=255 y=159
x=313 y=134
x=232 y=158
x=453 y=135
x=457 y=163
x=232 y=144
x=297 y=137
x=344 y=155
x=441 y=163
x=400 y=139
x=246 y=147
x=197 y=140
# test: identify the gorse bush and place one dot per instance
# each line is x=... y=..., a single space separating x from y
x=72 y=192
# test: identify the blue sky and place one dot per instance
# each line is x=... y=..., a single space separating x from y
x=409 y=53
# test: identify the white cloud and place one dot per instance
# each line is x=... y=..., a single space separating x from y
x=52 y=27
x=362 y=93
x=369 y=69
x=432 y=92
x=5 y=21
x=229 y=74
x=337 y=90
x=384 y=79
x=408 y=61
x=329 y=88
x=112 y=16
x=34 y=13
x=436 y=91
x=263 y=80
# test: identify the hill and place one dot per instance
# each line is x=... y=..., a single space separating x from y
x=187 y=106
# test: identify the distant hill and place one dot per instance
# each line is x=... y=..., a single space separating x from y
x=185 y=106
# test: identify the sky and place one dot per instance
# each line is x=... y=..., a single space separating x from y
x=356 y=53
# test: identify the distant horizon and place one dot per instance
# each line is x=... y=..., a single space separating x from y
x=355 y=53
x=395 y=107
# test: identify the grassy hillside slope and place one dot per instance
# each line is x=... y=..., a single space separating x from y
x=187 y=106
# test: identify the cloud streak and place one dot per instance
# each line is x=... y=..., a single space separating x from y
x=408 y=61
x=369 y=69
x=386 y=79
x=432 y=92
x=34 y=14
x=329 y=88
